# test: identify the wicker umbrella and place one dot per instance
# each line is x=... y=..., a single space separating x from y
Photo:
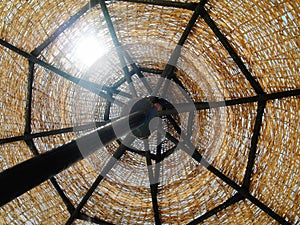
x=222 y=78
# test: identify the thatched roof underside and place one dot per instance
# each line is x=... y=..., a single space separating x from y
x=242 y=53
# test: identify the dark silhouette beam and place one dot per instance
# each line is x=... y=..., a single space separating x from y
x=112 y=161
x=92 y=87
x=198 y=105
x=253 y=147
x=37 y=51
x=107 y=109
x=255 y=84
x=118 y=47
x=188 y=6
x=282 y=94
x=263 y=97
x=232 y=200
x=150 y=70
x=138 y=71
x=29 y=97
x=170 y=67
x=153 y=184
x=169 y=70
x=89 y=126
x=62 y=195
x=30 y=173
x=186 y=107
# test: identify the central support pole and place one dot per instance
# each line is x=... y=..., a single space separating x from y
x=21 y=178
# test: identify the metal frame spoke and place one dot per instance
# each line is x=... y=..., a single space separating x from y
x=232 y=200
x=89 y=126
x=60 y=30
x=118 y=47
x=254 y=142
x=83 y=216
x=110 y=164
x=169 y=69
x=92 y=87
x=187 y=107
x=181 y=5
x=255 y=84
x=29 y=97
x=153 y=184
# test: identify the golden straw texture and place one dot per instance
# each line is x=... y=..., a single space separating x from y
x=265 y=35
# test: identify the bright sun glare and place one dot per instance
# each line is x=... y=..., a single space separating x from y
x=89 y=49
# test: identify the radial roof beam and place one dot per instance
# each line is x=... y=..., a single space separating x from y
x=150 y=70
x=181 y=5
x=107 y=110
x=37 y=51
x=29 y=98
x=92 y=87
x=265 y=97
x=153 y=184
x=62 y=195
x=89 y=126
x=169 y=69
x=255 y=84
x=89 y=219
x=232 y=200
x=117 y=46
x=253 y=147
x=110 y=164
x=283 y=94
x=187 y=107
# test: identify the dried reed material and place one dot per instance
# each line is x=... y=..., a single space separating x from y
x=34 y=21
x=275 y=181
x=232 y=133
x=241 y=213
x=121 y=200
x=41 y=205
x=266 y=37
x=196 y=192
x=13 y=153
x=13 y=93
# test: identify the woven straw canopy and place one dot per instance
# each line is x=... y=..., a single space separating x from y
x=231 y=156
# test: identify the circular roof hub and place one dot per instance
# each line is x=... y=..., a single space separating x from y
x=150 y=106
